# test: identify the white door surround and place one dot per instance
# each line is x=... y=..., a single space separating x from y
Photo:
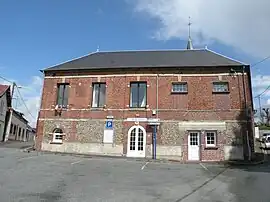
x=194 y=146
x=136 y=141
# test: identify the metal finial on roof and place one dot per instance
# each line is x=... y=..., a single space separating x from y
x=189 y=44
x=97 y=48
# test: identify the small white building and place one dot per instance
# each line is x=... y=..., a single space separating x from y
x=5 y=104
x=19 y=129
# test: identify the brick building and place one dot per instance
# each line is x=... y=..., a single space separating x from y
x=110 y=103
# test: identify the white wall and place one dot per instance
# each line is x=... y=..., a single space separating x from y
x=3 y=112
x=16 y=121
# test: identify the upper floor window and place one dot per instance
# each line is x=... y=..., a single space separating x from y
x=220 y=87
x=138 y=94
x=99 y=94
x=62 y=94
x=179 y=87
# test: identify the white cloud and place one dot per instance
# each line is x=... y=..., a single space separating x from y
x=31 y=94
x=243 y=24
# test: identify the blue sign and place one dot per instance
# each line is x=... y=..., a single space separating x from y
x=109 y=124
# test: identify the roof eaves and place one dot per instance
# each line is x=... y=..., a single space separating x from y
x=67 y=61
x=241 y=63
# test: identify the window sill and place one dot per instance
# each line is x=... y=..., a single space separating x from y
x=58 y=143
x=96 y=108
x=179 y=92
x=211 y=147
x=220 y=92
x=137 y=109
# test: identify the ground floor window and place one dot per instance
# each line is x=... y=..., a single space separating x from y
x=57 y=136
x=210 y=138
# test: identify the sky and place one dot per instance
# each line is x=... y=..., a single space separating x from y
x=35 y=35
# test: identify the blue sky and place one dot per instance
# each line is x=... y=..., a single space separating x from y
x=37 y=34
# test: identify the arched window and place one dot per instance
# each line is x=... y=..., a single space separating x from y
x=57 y=136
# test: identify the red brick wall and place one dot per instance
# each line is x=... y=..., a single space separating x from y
x=199 y=97
x=199 y=102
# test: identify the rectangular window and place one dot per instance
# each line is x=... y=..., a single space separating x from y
x=62 y=95
x=220 y=87
x=11 y=128
x=99 y=94
x=210 y=139
x=138 y=94
x=179 y=87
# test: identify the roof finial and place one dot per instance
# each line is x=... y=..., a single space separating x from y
x=98 y=48
x=189 y=44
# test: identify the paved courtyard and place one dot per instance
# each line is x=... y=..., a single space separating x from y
x=33 y=177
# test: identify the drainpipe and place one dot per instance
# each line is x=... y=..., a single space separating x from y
x=246 y=112
x=157 y=97
x=155 y=126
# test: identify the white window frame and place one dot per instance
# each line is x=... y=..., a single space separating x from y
x=184 y=87
x=56 y=139
x=215 y=139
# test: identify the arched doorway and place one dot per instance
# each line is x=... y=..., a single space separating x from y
x=136 y=142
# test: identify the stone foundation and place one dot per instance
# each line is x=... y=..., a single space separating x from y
x=86 y=137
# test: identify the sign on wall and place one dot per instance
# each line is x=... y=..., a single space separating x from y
x=109 y=124
x=108 y=136
x=108 y=132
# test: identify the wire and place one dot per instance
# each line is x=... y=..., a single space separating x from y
x=257 y=63
x=261 y=61
x=19 y=93
x=6 y=79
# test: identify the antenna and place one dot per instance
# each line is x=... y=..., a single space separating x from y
x=189 y=24
x=189 y=44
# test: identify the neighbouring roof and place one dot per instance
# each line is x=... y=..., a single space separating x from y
x=147 y=58
x=20 y=115
x=6 y=89
x=3 y=89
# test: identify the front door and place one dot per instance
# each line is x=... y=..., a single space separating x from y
x=136 y=142
x=193 y=146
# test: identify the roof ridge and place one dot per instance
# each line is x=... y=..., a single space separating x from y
x=147 y=50
x=226 y=56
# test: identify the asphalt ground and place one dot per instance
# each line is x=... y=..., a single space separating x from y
x=33 y=177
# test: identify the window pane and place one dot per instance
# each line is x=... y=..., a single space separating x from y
x=65 y=96
x=134 y=95
x=95 y=95
x=221 y=87
x=102 y=95
x=179 y=87
x=60 y=94
x=142 y=95
x=210 y=138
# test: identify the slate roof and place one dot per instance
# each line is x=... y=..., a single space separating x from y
x=147 y=58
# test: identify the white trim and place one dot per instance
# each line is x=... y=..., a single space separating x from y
x=199 y=125
x=143 y=109
x=146 y=75
x=123 y=120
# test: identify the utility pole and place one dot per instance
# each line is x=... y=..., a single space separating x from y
x=10 y=114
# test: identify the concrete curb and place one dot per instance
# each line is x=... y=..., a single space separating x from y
x=225 y=163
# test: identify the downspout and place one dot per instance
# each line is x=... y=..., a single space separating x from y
x=157 y=97
x=246 y=112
